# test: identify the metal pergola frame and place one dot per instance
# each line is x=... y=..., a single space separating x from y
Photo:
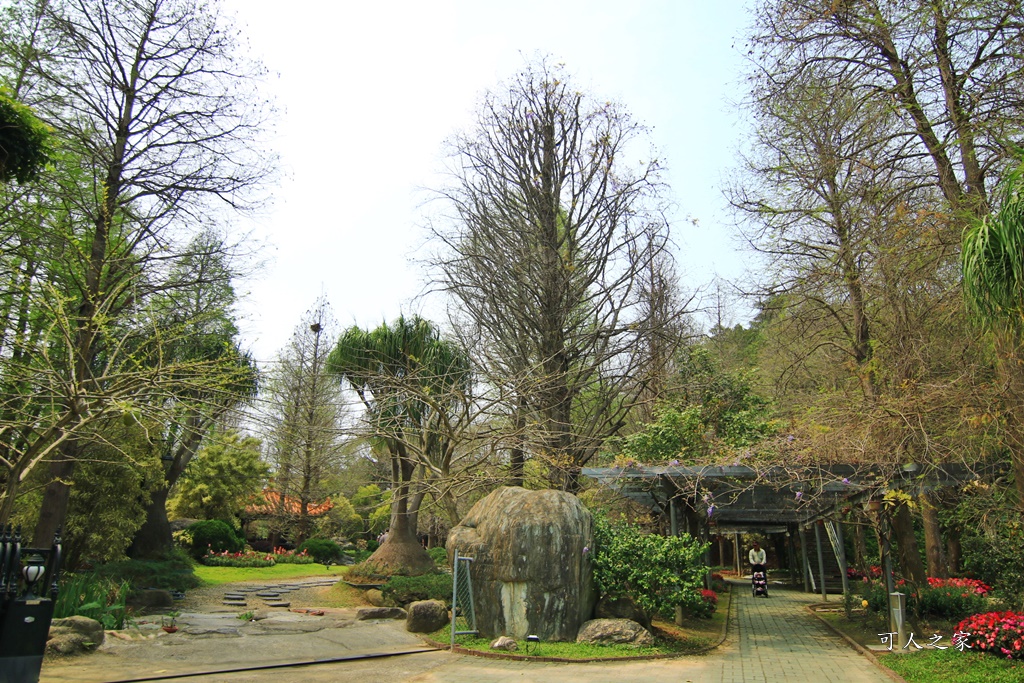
x=792 y=500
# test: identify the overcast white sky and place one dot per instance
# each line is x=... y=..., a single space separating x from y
x=369 y=91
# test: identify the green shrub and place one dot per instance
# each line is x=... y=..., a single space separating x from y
x=175 y=572
x=405 y=589
x=951 y=602
x=321 y=549
x=214 y=535
x=659 y=573
x=439 y=556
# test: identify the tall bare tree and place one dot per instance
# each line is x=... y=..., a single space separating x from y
x=953 y=70
x=547 y=256
x=306 y=412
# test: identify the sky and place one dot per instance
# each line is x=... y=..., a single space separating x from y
x=368 y=93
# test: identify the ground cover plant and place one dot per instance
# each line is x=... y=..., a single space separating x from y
x=95 y=597
x=670 y=639
x=405 y=589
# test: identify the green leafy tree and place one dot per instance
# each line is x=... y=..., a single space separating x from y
x=152 y=104
x=24 y=141
x=226 y=472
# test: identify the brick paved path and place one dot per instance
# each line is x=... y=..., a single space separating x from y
x=776 y=639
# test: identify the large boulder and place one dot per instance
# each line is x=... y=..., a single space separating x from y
x=426 y=616
x=615 y=632
x=74 y=635
x=621 y=608
x=531 y=566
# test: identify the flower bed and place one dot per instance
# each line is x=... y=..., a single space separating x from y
x=1000 y=633
x=249 y=558
x=974 y=585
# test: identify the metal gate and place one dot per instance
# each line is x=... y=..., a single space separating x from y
x=463 y=615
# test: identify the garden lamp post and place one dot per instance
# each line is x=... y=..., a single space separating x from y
x=28 y=589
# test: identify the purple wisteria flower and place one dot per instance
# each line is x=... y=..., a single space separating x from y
x=799 y=495
x=711 y=510
x=845 y=480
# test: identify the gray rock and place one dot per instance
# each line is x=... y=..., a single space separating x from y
x=364 y=613
x=74 y=635
x=614 y=632
x=505 y=643
x=426 y=616
x=621 y=608
x=150 y=598
x=531 y=572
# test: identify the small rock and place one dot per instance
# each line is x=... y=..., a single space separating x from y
x=505 y=643
x=374 y=597
x=614 y=632
x=426 y=616
x=364 y=613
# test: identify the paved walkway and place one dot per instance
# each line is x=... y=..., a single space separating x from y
x=776 y=639
x=770 y=640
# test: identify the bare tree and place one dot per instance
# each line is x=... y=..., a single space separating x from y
x=552 y=244
x=306 y=412
x=953 y=71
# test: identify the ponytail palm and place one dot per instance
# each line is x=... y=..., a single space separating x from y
x=412 y=384
x=993 y=260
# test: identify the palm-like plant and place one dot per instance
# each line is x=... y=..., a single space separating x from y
x=412 y=383
x=993 y=259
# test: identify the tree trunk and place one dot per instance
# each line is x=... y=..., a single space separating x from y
x=953 y=554
x=153 y=539
x=860 y=549
x=910 y=555
x=401 y=551
x=517 y=458
x=55 y=498
x=932 y=537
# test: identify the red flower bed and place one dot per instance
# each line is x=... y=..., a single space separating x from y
x=1000 y=633
x=709 y=596
x=974 y=585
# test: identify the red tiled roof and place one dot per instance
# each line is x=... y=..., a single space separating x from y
x=271 y=502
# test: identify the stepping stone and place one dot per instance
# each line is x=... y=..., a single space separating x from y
x=268 y=594
x=234 y=596
x=235 y=603
x=278 y=603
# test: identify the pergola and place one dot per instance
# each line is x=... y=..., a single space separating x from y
x=777 y=500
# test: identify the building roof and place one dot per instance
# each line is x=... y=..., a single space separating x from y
x=271 y=502
x=743 y=497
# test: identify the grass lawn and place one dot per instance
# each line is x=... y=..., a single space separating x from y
x=929 y=665
x=214 y=576
x=695 y=636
